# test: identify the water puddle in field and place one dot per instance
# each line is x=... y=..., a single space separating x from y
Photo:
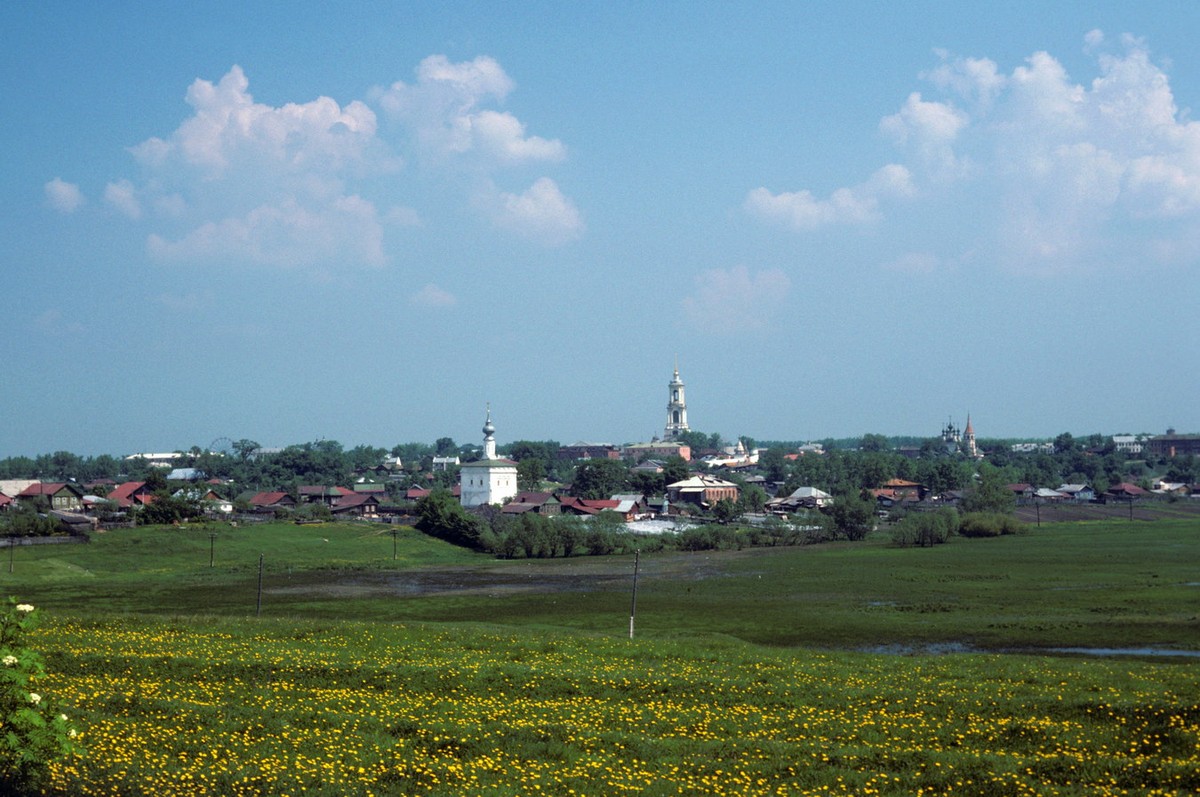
x=1114 y=652
x=950 y=648
x=931 y=649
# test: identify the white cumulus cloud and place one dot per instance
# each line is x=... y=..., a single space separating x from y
x=541 y=213
x=312 y=185
x=801 y=210
x=445 y=108
x=229 y=129
x=1044 y=172
x=122 y=195
x=63 y=196
x=736 y=300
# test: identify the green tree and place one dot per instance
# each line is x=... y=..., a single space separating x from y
x=600 y=478
x=990 y=494
x=697 y=441
x=852 y=516
x=442 y=516
x=445 y=447
x=874 y=442
x=245 y=448
x=1064 y=443
x=545 y=450
x=530 y=472
x=752 y=498
x=773 y=465
x=675 y=469
x=725 y=511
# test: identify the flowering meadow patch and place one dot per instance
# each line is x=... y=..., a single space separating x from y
x=230 y=707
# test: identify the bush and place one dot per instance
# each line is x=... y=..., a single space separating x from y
x=33 y=731
x=708 y=538
x=926 y=528
x=988 y=524
x=442 y=516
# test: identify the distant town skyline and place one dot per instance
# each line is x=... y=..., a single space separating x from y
x=363 y=224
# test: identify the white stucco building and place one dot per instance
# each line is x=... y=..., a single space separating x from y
x=489 y=480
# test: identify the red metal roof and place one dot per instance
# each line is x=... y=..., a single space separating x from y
x=267 y=499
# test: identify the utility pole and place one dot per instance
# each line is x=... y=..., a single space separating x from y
x=633 y=604
x=258 y=605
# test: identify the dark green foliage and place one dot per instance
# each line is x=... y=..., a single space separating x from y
x=852 y=516
x=926 y=528
x=530 y=472
x=442 y=516
x=725 y=511
x=28 y=521
x=989 y=524
x=601 y=478
x=165 y=509
x=35 y=732
x=874 y=442
x=991 y=493
x=709 y=538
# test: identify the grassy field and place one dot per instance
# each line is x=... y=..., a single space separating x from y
x=1109 y=584
x=440 y=672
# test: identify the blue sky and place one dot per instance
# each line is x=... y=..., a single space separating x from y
x=284 y=222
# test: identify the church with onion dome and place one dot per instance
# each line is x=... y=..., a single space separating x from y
x=489 y=480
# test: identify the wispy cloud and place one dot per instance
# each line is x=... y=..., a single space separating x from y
x=736 y=300
x=63 y=196
x=431 y=295
x=53 y=322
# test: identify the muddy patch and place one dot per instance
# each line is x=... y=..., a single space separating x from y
x=498 y=579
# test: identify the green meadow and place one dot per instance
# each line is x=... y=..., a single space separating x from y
x=369 y=663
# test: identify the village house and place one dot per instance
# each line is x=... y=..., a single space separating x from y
x=800 y=499
x=272 y=499
x=658 y=449
x=62 y=496
x=357 y=505
x=1173 y=445
x=1078 y=492
x=582 y=450
x=537 y=502
x=701 y=490
x=129 y=494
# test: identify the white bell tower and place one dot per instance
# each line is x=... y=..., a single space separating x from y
x=677 y=422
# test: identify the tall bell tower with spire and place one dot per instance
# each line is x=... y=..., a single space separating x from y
x=972 y=450
x=676 y=407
